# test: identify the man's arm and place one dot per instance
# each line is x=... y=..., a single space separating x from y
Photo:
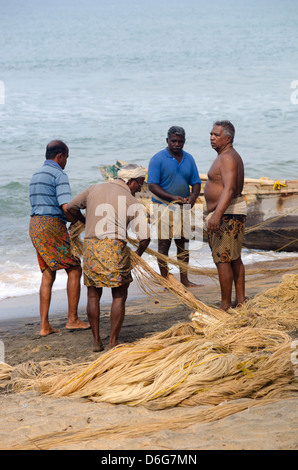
x=161 y=193
x=72 y=210
x=72 y=215
x=228 y=171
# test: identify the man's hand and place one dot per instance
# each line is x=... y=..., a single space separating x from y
x=213 y=223
x=179 y=200
x=191 y=200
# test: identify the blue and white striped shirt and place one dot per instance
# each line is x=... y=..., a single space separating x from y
x=49 y=189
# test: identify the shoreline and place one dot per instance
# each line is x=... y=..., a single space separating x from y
x=27 y=306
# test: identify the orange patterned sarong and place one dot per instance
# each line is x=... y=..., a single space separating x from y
x=51 y=240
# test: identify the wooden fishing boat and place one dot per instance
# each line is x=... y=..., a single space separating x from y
x=272 y=220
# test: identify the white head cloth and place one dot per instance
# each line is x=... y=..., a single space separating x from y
x=131 y=171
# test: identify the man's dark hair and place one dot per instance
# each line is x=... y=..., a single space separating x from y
x=55 y=147
x=177 y=131
x=228 y=128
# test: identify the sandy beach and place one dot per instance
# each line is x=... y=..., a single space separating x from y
x=28 y=418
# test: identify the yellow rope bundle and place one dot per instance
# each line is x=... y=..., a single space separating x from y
x=191 y=363
x=5 y=373
x=228 y=359
x=218 y=357
x=180 y=368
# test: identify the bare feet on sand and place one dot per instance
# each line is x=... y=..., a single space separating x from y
x=77 y=324
x=239 y=303
x=190 y=285
x=235 y=305
x=113 y=344
x=97 y=346
x=48 y=331
x=225 y=307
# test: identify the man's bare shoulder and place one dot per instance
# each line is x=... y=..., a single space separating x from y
x=229 y=157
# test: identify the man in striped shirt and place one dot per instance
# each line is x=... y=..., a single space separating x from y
x=49 y=195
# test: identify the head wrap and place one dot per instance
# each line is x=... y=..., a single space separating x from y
x=131 y=171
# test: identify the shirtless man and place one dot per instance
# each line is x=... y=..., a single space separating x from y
x=226 y=213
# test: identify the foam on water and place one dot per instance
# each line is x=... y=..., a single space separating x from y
x=18 y=280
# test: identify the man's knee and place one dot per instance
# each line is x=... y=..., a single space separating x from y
x=48 y=276
x=94 y=293
x=74 y=271
x=120 y=292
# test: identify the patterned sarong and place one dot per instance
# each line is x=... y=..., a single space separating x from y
x=51 y=240
x=226 y=244
x=106 y=263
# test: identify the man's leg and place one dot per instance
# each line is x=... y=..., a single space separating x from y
x=183 y=255
x=45 y=292
x=225 y=274
x=163 y=248
x=117 y=312
x=239 y=280
x=93 y=312
x=73 y=294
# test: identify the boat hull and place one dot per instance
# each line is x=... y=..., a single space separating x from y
x=272 y=221
x=272 y=238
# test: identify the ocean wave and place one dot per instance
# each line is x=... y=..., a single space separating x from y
x=18 y=280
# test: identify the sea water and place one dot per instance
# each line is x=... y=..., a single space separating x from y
x=109 y=77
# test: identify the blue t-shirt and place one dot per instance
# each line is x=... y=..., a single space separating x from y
x=49 y=189
x=173 y=177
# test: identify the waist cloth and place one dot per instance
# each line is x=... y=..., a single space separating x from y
x=50 y=238
x=106 y=263
x=227 y=242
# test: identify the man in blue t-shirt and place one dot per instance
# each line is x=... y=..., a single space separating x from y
x=49 y=195
x=171 y=173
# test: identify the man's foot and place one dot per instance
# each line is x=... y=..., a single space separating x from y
x=47 y=331
x=97 y=346
x=113 y=344
x=238 y=303
x=225 y=307
x=77 y=324
x=188 y=284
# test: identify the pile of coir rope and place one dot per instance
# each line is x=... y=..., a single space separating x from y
x=218 y=357
x=215 y=357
